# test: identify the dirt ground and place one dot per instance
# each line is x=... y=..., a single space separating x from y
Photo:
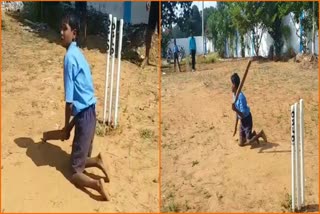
x=204 y=169
x=34 y=174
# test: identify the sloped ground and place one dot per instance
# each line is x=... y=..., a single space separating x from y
x=34 y=174
x=203 y=168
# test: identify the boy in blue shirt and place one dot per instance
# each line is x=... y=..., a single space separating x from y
x=80 y=103
x=176 y=55
x=193 y=50
x=244 y=114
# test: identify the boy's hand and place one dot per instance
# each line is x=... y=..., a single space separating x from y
x=65 y=134
x=234 y=107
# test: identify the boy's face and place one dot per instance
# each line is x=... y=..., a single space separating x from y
x=234 y=88
x=67 y=35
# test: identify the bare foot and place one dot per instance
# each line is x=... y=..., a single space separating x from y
x=264 y=137
x=254 y=133
x=102 y=191
x=241 y=144
x=103 y=167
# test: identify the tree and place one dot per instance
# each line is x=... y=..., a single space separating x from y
x=174 y=13
x=251 y=17
x=81 y=10
x=309 y=22
x=177 y=33
x=195 y=21
x=275 y=26
x=206 y=14
x=165 y=39
x=219 y=27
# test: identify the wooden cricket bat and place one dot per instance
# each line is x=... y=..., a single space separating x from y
x=239 y=90
x=242 y=81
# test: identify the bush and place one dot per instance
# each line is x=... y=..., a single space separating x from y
x=210 y=58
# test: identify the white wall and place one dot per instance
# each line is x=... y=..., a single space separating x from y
x=184 y=42
x=115 y=8
x=294 y=40
x=139 y=14
x=267 y=41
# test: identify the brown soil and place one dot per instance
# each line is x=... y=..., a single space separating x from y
x=204 y=169
x=34 y=174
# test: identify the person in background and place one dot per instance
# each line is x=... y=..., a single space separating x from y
x=176 y=55
x=193 y=50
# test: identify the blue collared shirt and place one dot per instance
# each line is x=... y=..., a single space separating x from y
x=192 y=44
x=78 y=84
x=241 y=105
x=175 y=49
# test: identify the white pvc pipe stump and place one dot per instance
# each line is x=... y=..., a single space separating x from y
x=118 y=76
x=107 y=69
x=111 y=49
x=297 y=156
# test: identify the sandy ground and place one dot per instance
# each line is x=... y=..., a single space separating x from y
x=34 y=174
x=203 y=168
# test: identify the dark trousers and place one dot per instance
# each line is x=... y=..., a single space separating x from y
x=85 y=125
x=193 y=56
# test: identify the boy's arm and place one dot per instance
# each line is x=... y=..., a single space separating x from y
x=67 y=126
x=237 y=111
x=68 y=110
x=69 y=90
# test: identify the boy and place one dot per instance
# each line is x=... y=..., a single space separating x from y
x=244 y=114
x=80 y=103
x=193 y=50
x=176 y=55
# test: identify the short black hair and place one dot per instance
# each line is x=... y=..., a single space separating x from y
x=235 y=79
x=73 y=21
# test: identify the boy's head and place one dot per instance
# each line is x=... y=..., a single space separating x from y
x=70 y=27
x=235 y=79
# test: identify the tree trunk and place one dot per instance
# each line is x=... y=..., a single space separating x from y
x=242 y=46
x=313 y=31
x=81 y=10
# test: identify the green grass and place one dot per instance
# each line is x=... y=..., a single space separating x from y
x=171 y=207
x=200 y=59
x=3 y=25
x=286 y=203
x=210 y=58
x=146 y=133
x=104 y=130
x=195 y=163
x=100 y=129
